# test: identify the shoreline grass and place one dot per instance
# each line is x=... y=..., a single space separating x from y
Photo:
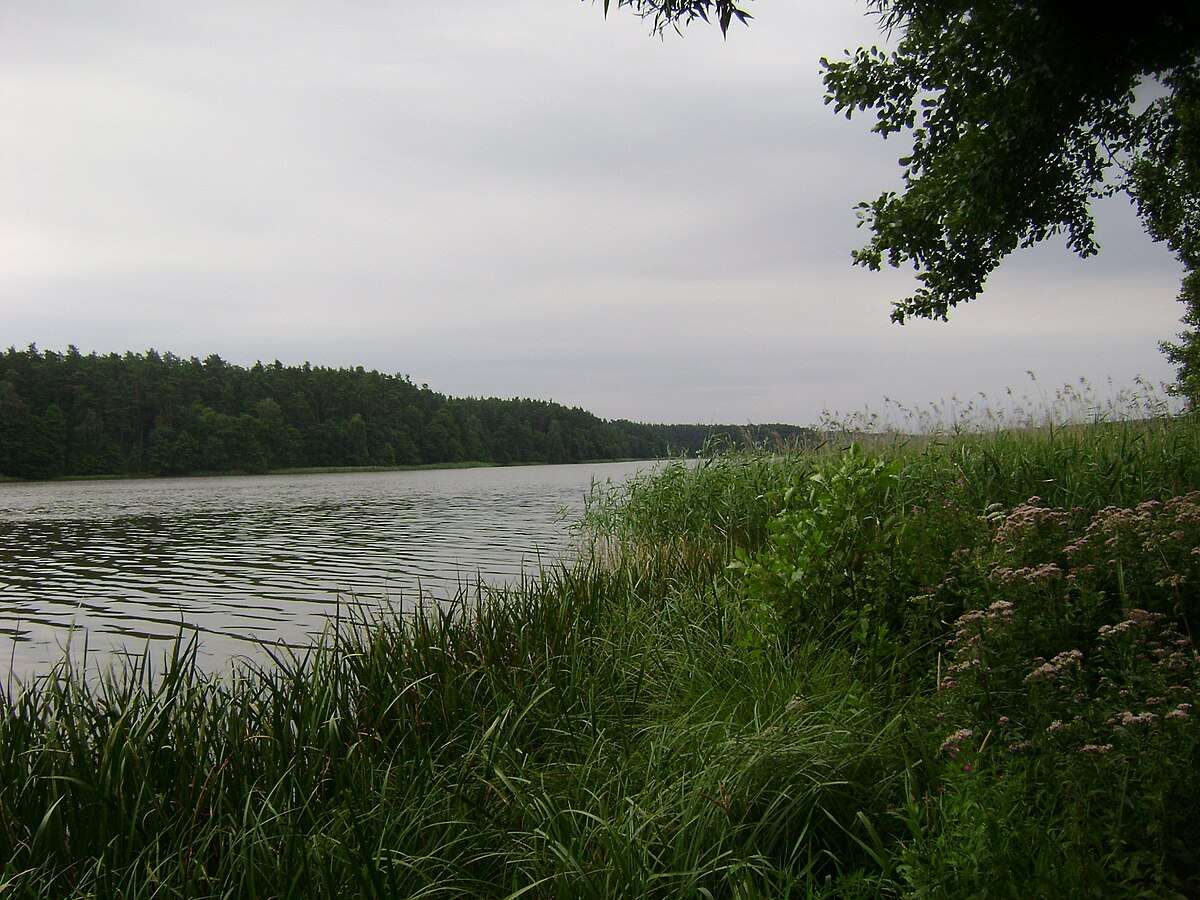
x=956 y=668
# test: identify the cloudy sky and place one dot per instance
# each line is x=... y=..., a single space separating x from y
x=510 y=197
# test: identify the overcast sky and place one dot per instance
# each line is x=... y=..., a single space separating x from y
x=510 y=197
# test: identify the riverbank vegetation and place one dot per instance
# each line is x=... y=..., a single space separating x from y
x=157 y=414
x=958 y=667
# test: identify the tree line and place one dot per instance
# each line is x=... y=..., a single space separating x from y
x=151 y=413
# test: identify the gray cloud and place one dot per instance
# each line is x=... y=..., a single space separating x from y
x=505 y=198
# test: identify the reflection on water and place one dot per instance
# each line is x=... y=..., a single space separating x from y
x=249 y=559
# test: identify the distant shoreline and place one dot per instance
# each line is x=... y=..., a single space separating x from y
x=319 y=470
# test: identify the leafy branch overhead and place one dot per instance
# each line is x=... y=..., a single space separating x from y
x=675 y=14
x=1020 y=114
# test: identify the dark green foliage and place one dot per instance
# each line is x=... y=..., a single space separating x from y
x=69 y=414
x=1185 y=354
x=836 y=557
x=1020 y=115
x=663 y=14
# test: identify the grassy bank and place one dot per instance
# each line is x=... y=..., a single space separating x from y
x=956 y=669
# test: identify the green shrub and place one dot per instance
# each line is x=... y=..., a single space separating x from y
x=826 y=567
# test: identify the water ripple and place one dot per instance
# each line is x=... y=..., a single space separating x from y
x=117 y=565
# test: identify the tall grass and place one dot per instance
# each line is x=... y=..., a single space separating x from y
x=739 y=693
x=592 y=733
x=724 y=502
x=697 y=511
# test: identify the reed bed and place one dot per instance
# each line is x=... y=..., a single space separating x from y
x=745 y=691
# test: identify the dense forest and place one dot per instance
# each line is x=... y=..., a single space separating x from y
x=150 y=413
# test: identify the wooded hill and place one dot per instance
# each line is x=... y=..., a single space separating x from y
x=151 y=413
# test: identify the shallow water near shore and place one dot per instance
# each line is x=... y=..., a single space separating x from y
x=248 y=562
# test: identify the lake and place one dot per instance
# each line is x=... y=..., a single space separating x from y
x=247 y=561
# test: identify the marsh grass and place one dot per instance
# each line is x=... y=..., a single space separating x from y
x=1017 y=409
x=687 y=711
x=589 y=733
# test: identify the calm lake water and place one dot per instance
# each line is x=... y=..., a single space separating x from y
x=245 y=561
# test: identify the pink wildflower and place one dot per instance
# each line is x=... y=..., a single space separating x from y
x=1127 y=719
x=1050 y=671
x=955 y=738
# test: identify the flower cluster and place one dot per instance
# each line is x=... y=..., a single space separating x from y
x=1136 y=620
x=1079 y=654
x=1182 y=711
x=1027 y=574
x=955 y=739
x=974 y=623
x=1146 y=555
x=1030 y=520
x=1130 y=720
x=970 y=630
x=1150 y=636
x=1062 y=664
x=1156 y=546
